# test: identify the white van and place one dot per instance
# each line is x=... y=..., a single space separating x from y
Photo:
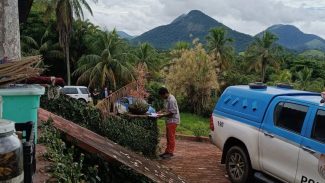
x=80 y=93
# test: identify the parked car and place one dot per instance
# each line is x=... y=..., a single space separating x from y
x=123 y=103
x=78 y=92
x=273 y=134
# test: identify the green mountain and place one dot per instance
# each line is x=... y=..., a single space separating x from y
x=293 y=38
x=125 y=35
x=313 y=53
x=186 y=27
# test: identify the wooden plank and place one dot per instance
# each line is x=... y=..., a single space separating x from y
x=110 y=151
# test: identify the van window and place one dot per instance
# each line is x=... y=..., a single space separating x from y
x=84 y=90
x=70 y=91
x=319 y=127
x=290 y=116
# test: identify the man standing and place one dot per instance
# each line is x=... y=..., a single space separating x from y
x=171 y=111
x=95 y=96
x=105 y=92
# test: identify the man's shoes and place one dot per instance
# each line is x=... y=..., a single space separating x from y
x=161 y=155
x=167 y=155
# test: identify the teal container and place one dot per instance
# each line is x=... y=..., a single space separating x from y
x=20 y=103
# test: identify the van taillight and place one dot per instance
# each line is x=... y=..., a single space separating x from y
x=211 y=123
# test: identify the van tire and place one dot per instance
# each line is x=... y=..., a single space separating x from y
x=238 y=165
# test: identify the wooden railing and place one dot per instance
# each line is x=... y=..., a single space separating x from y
x=107 y=105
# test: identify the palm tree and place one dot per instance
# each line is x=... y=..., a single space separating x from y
x=82 y=30
x=304 y=78
x=305 y=81
x=283 y=76
x=263 y=52
x=65 y=11
x=219 y=46
x=147 y=56
x=181 y=45
x=108 y=64
x=44 y=46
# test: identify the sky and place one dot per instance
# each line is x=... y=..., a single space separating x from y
x=248 y=16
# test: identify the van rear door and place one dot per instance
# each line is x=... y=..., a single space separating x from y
x=280 y=138
x=311 y=165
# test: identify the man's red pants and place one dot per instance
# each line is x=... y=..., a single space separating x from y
x=170 y=135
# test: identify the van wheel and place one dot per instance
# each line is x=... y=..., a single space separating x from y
x=238 y=165
x=82 y=100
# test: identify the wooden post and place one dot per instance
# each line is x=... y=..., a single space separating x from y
x=9 y=30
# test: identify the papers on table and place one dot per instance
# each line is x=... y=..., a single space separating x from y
x=155 y=115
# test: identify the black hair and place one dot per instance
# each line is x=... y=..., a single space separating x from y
x=163 y=91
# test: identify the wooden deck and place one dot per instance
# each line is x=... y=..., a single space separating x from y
x=110 y=151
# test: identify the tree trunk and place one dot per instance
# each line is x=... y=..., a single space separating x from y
x=9 y=30
x=263 y=72
x=67 y=57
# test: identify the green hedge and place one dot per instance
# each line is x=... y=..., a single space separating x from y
x=73 y=110
x=71 y=164
x=140 y=135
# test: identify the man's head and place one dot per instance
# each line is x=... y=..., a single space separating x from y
x=163 y=92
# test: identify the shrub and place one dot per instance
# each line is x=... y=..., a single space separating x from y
x=138 y=106
x=73 y=110
x=64 y=166
x=70 y=164
x=140 y=135
x=193 y=77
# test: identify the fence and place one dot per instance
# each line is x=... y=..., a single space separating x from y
x=107 y=105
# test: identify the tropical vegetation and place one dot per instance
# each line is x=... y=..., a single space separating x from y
x=196 y=73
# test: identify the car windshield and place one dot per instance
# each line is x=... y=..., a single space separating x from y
x=69 y=90
x=84 y=90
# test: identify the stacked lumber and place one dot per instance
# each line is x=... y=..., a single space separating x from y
x=19 y=70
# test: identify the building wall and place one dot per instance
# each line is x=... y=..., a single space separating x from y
x=9 y=29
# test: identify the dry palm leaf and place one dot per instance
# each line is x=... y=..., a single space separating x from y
x=19 y=70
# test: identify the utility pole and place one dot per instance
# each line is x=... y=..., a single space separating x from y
x=9 y=30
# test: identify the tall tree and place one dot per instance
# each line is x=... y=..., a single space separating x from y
x=108 y=65
x=9 y=28
x=305 y=81
x=82 y=30
x=147 y=56
x=219 y=45
x=192 y=78
x=304 y=78
x=65 y=11
x=263 y=52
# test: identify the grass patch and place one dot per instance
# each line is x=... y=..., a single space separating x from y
x=191 y=124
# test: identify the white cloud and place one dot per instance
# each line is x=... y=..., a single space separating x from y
x=247 y=16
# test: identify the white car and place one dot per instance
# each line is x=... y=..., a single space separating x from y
x=80 y=93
